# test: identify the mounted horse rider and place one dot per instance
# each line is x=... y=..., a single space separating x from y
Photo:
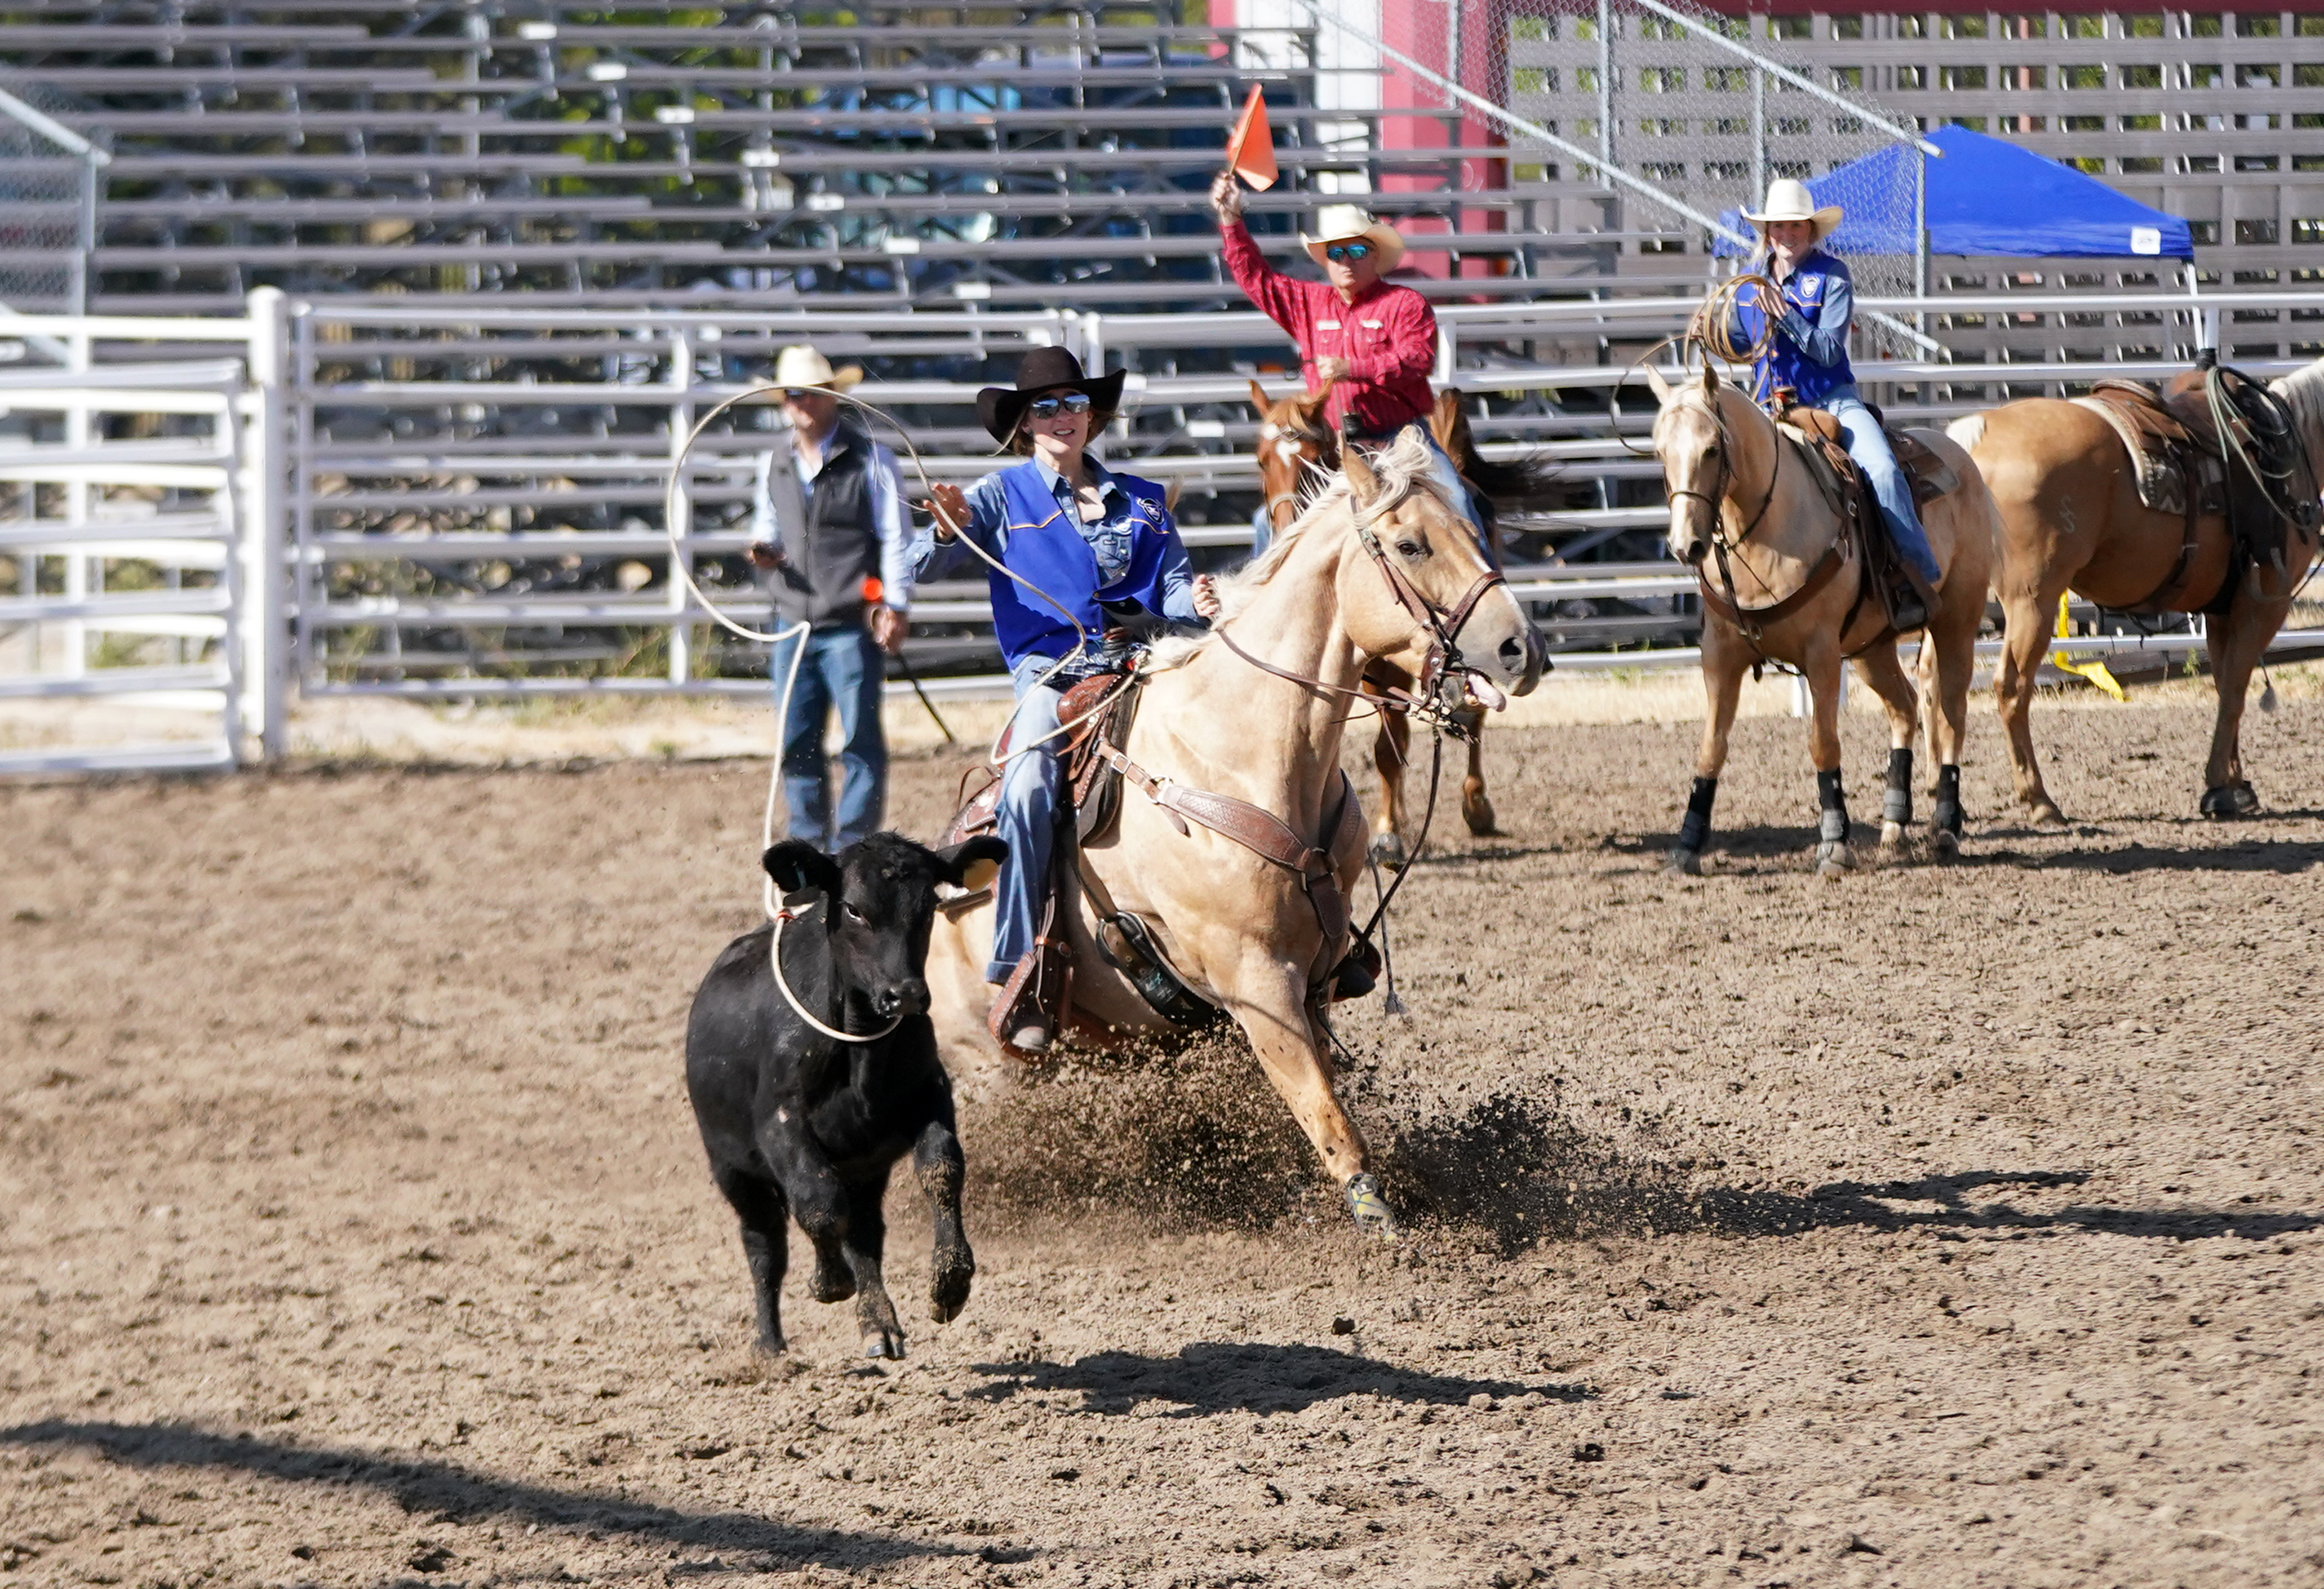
x=1372 y=343
x=1805 y=363
x=1096 y=542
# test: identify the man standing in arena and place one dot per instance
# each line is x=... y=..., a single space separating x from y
x=844 y=568
x=1372 y=342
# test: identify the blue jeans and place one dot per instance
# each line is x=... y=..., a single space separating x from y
x=1883 y=473
x=842 y=668
x=1030 y=782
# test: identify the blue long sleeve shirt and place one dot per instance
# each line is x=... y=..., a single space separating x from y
x=1811 y=351
x=1109 y=538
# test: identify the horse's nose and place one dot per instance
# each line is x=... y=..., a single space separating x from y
x=1695 y=552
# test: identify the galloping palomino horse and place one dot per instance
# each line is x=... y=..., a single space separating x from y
x=1747 y=515
x=1297 y=453
x=2073 y=518
x=1381 y=568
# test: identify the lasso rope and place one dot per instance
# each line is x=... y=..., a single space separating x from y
x=1713 y=328
x=776 y=911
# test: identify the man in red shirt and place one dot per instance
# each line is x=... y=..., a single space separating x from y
x=1373 y=341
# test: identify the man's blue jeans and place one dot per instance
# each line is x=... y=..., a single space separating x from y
x=1447 y=474
x=840 y=669
x=1030 y=782
x=1885 y=476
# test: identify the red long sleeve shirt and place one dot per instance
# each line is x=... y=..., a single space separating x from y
x=1388 y=335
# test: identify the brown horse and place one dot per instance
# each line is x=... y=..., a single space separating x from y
x=1297 y=453
x=2071 y=518
x=1256 y=711
x=1746 y=512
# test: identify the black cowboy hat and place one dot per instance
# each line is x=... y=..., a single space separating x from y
x=1045 y=369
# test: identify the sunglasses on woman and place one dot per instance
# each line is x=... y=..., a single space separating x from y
x=1348 y=254
x=1056 y=403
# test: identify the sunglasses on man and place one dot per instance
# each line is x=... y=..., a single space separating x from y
x=1348 y=254
x=1059 y=402
x=792 y=394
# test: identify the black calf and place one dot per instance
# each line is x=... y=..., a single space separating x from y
x=798 y=1121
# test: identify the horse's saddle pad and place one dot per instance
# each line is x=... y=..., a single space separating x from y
x=1825 y=447
x=2166 y=444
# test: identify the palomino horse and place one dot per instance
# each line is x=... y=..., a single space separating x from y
x=2071 y=519
x=1297 y=453
x=1744 y=502
x=1380 y=567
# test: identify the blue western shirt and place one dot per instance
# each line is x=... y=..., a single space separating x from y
x=1025 y=516
x=1810 y=354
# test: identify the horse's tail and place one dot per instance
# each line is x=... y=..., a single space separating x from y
x=1508 y=482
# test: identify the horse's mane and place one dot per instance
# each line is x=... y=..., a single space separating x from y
x=2303 y=392
x=1402 y=469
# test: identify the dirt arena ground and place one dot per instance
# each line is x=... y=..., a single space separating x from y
x=1936 y=1228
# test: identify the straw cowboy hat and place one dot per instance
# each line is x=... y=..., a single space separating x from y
x=803 y=366
x=1348 y=223
x=1789 y=201
x=1045 y=369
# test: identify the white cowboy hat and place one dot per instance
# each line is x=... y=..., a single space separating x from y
x=1789 y=200
x=1349 y=223
x=803 y=366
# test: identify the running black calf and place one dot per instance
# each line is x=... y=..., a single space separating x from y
x=800 y=1121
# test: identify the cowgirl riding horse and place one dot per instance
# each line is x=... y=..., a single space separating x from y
x=1063 y=522
x=1807 y=358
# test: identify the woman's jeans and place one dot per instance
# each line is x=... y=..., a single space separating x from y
x=842 y=668
x=1030 y=782
x=1886 y=477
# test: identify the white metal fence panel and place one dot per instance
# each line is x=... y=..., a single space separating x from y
x=139 y=470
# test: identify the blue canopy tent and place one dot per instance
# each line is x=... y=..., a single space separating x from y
x=1985 y=196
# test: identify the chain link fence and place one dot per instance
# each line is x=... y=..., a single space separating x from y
x=47 y=202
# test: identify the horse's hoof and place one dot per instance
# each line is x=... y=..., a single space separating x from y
x=884 y=1343
x=1685 y=863
x=1833 y=859
x=2229 y=801
x=1944 y=844
x=1891 y=835
x=1478 y=815
x=1386 y=850
x=1368 y=1209
x=2046 y=814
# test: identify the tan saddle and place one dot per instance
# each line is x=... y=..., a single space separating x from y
x=1096 y=715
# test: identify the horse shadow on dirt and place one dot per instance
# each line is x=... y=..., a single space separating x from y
x=1754 y=849
x=1211 y=1377
x=446 y=1493
x=1514 y=1169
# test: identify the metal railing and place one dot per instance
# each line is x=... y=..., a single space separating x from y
x=139 y=505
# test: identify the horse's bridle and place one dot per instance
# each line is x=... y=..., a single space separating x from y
x=1716 y=499
x=1295 y=498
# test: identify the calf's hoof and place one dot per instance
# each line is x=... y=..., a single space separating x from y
x=769 y=1346
x=2229 y=801
x=1386 y=850
x=948 y=1293
x=1477 y=809
x=1685 y=863
x=884 y=1343
x=1368 y=1209
x=831 y=1283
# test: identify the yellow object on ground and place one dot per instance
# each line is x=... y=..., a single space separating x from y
x=2096 y=672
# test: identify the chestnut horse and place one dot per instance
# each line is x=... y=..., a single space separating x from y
x=1297 y=453
x=1256 y=711
x=2071 y=519
x=1747 y=514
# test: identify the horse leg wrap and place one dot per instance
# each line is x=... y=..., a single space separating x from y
x=1946 y=816
x=1896 y=801
x=1834 y=805
x=1695 y=830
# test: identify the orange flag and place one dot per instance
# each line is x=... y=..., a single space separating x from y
x=1250 y=148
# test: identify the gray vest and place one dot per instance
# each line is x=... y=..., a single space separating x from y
x=829 y=557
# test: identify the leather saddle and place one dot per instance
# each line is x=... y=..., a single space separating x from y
x=1097 y=711
x=2183 y=466
x=1825 y=447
